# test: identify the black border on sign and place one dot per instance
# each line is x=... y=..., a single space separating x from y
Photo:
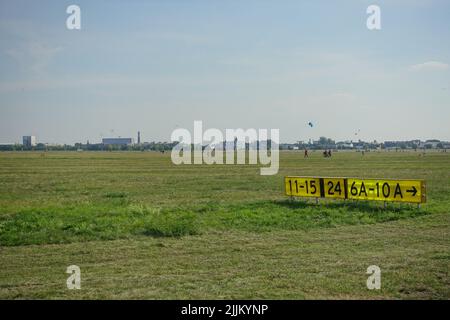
x=346 y=189
x=322 y=188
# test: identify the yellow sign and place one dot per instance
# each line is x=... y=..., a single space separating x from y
x=334 y=188
x=386 y=190
x=302 y=186
x=357 y=189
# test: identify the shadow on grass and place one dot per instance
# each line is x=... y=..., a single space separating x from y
x=359 y=206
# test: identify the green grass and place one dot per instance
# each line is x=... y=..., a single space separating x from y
x=178 y=220
x=86 y=223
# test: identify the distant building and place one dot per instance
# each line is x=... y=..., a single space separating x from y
x=117 y=141
x=344 y=145
x=432 y=144
x=139 y=137
x=29 y=141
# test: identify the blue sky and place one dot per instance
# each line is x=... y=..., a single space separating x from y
x=154 y=66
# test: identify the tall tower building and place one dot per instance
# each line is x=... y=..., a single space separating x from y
x=139 y=137
x=29 y=141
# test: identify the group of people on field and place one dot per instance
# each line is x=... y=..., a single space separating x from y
x=326 y=154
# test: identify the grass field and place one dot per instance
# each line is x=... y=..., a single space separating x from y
x=140 y=227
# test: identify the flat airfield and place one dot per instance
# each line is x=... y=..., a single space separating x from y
x=140 y=227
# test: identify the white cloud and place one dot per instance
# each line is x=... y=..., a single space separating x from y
x=27 y=47
x=430 y=65
x=33 y=56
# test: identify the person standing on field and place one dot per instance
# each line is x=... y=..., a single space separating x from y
x=306 y=153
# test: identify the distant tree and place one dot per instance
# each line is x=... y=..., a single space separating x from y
x=323 y=140
x=40 y=147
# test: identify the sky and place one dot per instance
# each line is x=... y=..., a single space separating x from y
x=156 y=65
